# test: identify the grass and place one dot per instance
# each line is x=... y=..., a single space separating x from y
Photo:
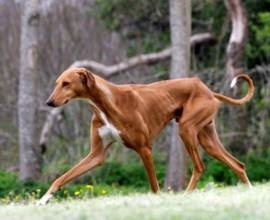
x=217 y=203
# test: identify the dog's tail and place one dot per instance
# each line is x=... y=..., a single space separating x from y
x=243 y=100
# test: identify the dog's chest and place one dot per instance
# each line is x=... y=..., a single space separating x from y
x=108 y=133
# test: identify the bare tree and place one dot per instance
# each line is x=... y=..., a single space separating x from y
x=27 y=108
x=235 y=47
x=180 y=22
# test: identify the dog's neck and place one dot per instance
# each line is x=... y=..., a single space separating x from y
x=102 y=98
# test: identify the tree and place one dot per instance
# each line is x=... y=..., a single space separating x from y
x=236 y=45
x=27 y=104
x=234 y=63
x=180 y=23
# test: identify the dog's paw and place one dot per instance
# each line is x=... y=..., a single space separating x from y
x=45 y=199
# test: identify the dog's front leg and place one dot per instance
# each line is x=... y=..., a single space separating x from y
x=88 y=163
x=146 y=156
x=95 y=158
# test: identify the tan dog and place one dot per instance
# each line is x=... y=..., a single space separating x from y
x=135 y=114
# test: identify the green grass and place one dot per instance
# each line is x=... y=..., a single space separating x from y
x=221 y=203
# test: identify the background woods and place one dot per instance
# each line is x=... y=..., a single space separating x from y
x=129 y=42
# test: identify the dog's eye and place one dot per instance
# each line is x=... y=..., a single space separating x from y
x=64 y=84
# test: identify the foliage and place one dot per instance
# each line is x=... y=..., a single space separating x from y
x=257 y=164
x=129 y=174
x=119 y=14
x=8 y=182
x=118 y=178
x=258 y=46
x=144 y=23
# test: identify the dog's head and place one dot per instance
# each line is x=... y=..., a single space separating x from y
x=72 y=83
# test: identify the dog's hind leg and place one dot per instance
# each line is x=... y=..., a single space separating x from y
x=209 y=140
x=94 y=158
x=191 y=142
x=196 y=114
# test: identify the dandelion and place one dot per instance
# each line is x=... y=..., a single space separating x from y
x=38 y=190
x=77 y=193
x=103 y=192
x=89 y=187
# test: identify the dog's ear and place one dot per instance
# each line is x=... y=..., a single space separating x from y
x=87 y=78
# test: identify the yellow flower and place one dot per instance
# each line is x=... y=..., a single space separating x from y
x=103 y=192
x=38 y=190
x=77 y=193
x=89 y=187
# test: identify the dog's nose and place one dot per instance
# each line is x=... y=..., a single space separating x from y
x=50 y=103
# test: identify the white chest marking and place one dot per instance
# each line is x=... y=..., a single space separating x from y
x=108 y=132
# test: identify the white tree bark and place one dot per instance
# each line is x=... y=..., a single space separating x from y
x=27 y=104
x=235 y=48
x=180 y=22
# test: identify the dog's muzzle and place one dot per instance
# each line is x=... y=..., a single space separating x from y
x=50 y=103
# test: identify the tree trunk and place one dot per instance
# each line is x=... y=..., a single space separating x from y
x=234 y=65
x=236 y=45
x=27 y=104
x=180 y=22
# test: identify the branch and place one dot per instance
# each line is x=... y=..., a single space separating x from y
x=151 y=58
x=108 y=71
x=47 y=127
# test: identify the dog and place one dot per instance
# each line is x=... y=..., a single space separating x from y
x=134 y=114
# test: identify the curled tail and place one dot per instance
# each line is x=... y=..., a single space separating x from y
x=243 y=100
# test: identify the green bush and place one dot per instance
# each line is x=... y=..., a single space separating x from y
x=8 y=182
x=132 y=174
x=257 y=167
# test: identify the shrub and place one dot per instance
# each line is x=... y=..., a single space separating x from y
x=130 y=174
x=8 y=182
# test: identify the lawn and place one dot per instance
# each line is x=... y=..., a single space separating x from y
x=217 y=203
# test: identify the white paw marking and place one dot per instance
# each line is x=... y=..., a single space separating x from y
x=233 y=82
x=45 y=199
